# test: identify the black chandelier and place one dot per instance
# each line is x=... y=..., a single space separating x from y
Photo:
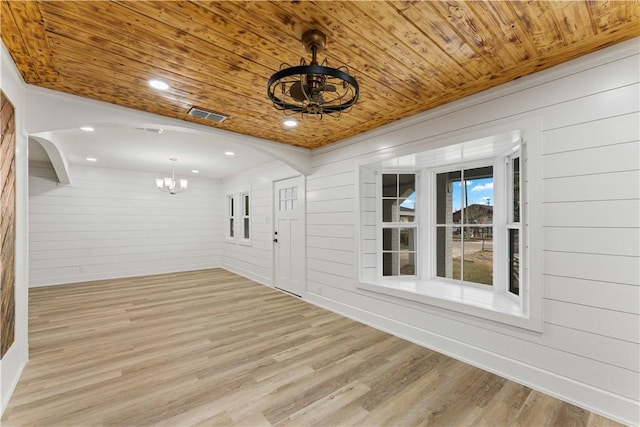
x=313 y=89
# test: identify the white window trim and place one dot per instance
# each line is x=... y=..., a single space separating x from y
x=380 y=225
x=524 y=311
x=431 y=221
x=510 y=224
x=231 y=199
x=241 y=217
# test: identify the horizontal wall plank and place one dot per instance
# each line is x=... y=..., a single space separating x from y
x=110 y=235
x=604 y=132
x=332 y=255
x=609 y=323
x=70 y=274
x=329 y=206
x=614 y=102
x=590 y=161
x=331 y=218
x=342 y=231
x=140 y=225
x=46 y=209
x=337 y=269
x=345 y=191
x=612 y=296
x=64 y=254
x=608 y=213
x=111 y=220
x=152 y=201
x=605 y=186
x=623 y=354
x=603 y=241
x=49 y=246
x=329 y=279
x=324 y=242
x=102 y=262
x=318 y=181
x=617 y=269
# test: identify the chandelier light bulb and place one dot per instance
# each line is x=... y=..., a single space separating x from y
x=171 y=185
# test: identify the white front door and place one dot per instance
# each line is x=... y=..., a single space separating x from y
x=289 y=232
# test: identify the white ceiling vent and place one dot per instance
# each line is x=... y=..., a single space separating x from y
x=208 y=115
x=153 y=130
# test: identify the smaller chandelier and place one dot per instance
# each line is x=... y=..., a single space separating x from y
x=170 y=185
x=313 y=89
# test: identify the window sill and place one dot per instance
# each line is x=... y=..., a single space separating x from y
x=469 y=300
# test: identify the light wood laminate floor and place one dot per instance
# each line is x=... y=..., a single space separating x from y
x=212 y=348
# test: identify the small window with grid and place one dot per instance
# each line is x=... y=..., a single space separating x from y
x=399 y=224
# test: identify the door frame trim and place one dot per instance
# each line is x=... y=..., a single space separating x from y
x=303 y=204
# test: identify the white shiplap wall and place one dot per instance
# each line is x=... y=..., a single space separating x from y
x=115 y=223
x=17 y=355
x=254 y=259
x=588 y=352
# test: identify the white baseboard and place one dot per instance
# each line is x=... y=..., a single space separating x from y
x=615 y=407
x=91 y=277
x=14 y=383
x=248 y=274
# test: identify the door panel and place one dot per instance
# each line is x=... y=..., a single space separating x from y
x=289 y=236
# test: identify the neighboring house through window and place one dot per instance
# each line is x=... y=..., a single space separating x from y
x=464 y=225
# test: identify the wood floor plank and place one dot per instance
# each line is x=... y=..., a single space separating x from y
x=212 y=348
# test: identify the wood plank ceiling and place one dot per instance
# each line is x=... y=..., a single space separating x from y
x=408 y=56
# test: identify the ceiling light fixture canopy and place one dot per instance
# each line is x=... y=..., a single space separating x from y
x=170 y=185
x=313 y=89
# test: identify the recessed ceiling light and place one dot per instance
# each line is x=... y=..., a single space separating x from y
x=195 y=171
x=87 y=128
x=158 y=84
x=290 y=123
x=92 y=159
x=229 y=153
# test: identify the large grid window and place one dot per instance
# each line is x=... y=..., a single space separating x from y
x=464 y=225
x=399 y=225
x=450 y=227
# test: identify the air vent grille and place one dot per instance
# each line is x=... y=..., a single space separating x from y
x=154 y=130
x=207 y=115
